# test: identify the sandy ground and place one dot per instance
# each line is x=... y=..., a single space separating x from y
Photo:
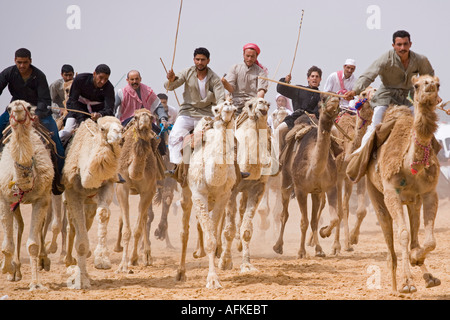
x=348 y=276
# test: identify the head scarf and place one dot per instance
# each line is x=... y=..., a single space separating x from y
x=258 y=51
x=288 y=101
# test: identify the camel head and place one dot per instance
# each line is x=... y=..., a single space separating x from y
x=143 y=119
x=329 y=106
x=224 y=111
x=426 y=90
x=257 y=108
x=66 y=86
x=111 y=129
x=20 y=112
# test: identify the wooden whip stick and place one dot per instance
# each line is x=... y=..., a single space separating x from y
x=176 y=35
x=298 y=39
x=304 y=88
x=173 y=90
x=176 y=38
x=73 y=110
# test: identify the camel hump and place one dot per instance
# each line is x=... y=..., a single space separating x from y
x=394 y=112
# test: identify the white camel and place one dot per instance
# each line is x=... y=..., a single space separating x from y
x=89 y=174
x=26 y=178
x=211 y=177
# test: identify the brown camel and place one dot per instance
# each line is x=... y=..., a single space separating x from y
x=310 y=168
x=354 y=126
x=405 y=172
x=138 y=167
x=26 y=177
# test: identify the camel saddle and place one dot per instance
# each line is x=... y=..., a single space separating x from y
x=358 y=163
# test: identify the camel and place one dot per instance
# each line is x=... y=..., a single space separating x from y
x=405 y=172
x=310 y=168
x=89 y=174
x=211 y=176
x=26 y=178
x=253 y=156
x=273 y=185
x=138 y=167
x=354 y=126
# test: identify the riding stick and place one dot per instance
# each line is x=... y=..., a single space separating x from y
x=304 y=88
x=298 y=39
x=173 y=90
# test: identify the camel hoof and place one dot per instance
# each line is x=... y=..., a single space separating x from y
x=161 y=231
x=118 y=248
x=408 y=289
x=77 y=280
x=278 y=248
x=102 y=263
x=247 y=267
x=301 y=254
x=354 y=239
x=431 y=281
x=148 y=260
x=199 y=254
x=320 y=253
x=181 y=276
x=37 y=287
x=212 y=282
x=123 y=268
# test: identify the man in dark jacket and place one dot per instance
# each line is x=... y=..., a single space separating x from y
x=91 y=93
x=302 y=101
x=26 y=82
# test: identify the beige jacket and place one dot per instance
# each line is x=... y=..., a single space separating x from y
x=193 y=105
x=396 y=81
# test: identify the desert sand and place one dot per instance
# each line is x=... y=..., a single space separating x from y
x=358 y=275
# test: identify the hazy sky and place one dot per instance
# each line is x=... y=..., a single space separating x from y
x=136 y=34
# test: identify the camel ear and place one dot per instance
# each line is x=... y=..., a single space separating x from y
x=414 y=79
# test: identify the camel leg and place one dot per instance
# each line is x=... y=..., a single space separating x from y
x=302 y=200
x=264 y=211
x=200 y=251
x=64 y=230
x=316 y=204
x=18 y=227
x=8 y=265
x=314 y=238
x=186 y=205
x=361 y=211
x=103 y=214
x=325 y=232
x=417 y=254
x=75 y=212
x=139 y=231
x=43 y=260
x=242 y=207
x=284 y=216
x=39 y=212
x=385 y=220
x=394 y=205
x=125 y=229
x=229 y=231
x=200 y=202
x=246 y=230
x=344 y=214
x=56 y=218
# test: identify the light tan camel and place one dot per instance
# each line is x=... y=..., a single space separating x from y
x=310 y=168
x=273 y=186
x=89 y=174
x=405 y=172
x=211 y=176
x=26 y=178
x=138 y=167
x=354 y=126
x=254 y=157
